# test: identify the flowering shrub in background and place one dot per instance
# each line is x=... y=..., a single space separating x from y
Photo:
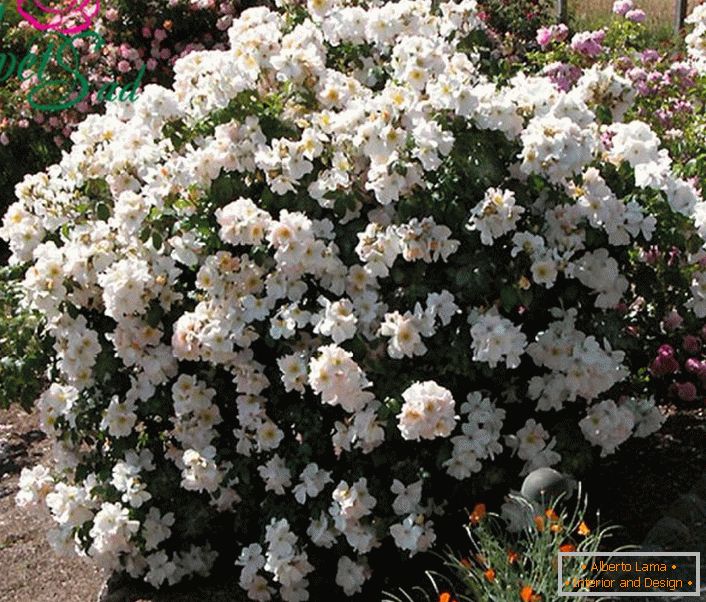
x=149 y=33
x=668 y=87
x=336 y=252
x=511 y=26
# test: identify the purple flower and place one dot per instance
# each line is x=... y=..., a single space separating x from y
x=637 y=74
x=562 y=75
x=588 y=43
x=649 y=56
x=636 y=15
x=665 y=362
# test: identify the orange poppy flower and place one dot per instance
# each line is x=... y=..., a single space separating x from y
x=490 y=575
x=551 y=515
x=539 y=523
x=527 y=594
x=555 y=528
x=567 y=547
x=512 y=556
x=478 y=514
x=446 y=597
x=583 y=529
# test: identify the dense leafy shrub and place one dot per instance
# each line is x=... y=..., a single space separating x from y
x=304 y=298
x=24 y=347
x=512 y=24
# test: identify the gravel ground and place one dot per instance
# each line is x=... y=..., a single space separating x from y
x=31 y=572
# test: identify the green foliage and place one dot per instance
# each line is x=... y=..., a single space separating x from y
x=24 y=349
x=502 y=566
x=514 y=23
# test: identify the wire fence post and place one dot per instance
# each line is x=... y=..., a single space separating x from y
x=562 y=10
x=680 y=8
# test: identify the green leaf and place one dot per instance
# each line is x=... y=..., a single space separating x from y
x=102 y=211
x=509 y=298
x=154 y=315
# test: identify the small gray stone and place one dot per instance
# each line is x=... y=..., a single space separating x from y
x=544 y=484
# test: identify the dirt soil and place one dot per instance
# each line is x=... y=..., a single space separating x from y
x=633 y=488
x=30 y=570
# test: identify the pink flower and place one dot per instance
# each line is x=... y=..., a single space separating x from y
x=68 y=17
x=125 y=51
x=651 y=256
x=544 y=36
x=124 y=66
x=696 y=367
x=621 y=7
x=553 y=33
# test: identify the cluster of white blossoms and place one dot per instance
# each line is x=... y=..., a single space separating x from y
x=495 y=215
x=579 y=366
x=427 y=412
x=406 y=331
x=696 y=38
x=479 y=438
x=496 y=339
x=260 y=285
x=287 y=565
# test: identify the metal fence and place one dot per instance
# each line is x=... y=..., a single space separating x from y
x=680 y=12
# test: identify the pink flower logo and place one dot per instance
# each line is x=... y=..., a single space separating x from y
x=66 y=16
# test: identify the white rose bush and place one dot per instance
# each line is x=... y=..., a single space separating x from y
x=337 y=277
